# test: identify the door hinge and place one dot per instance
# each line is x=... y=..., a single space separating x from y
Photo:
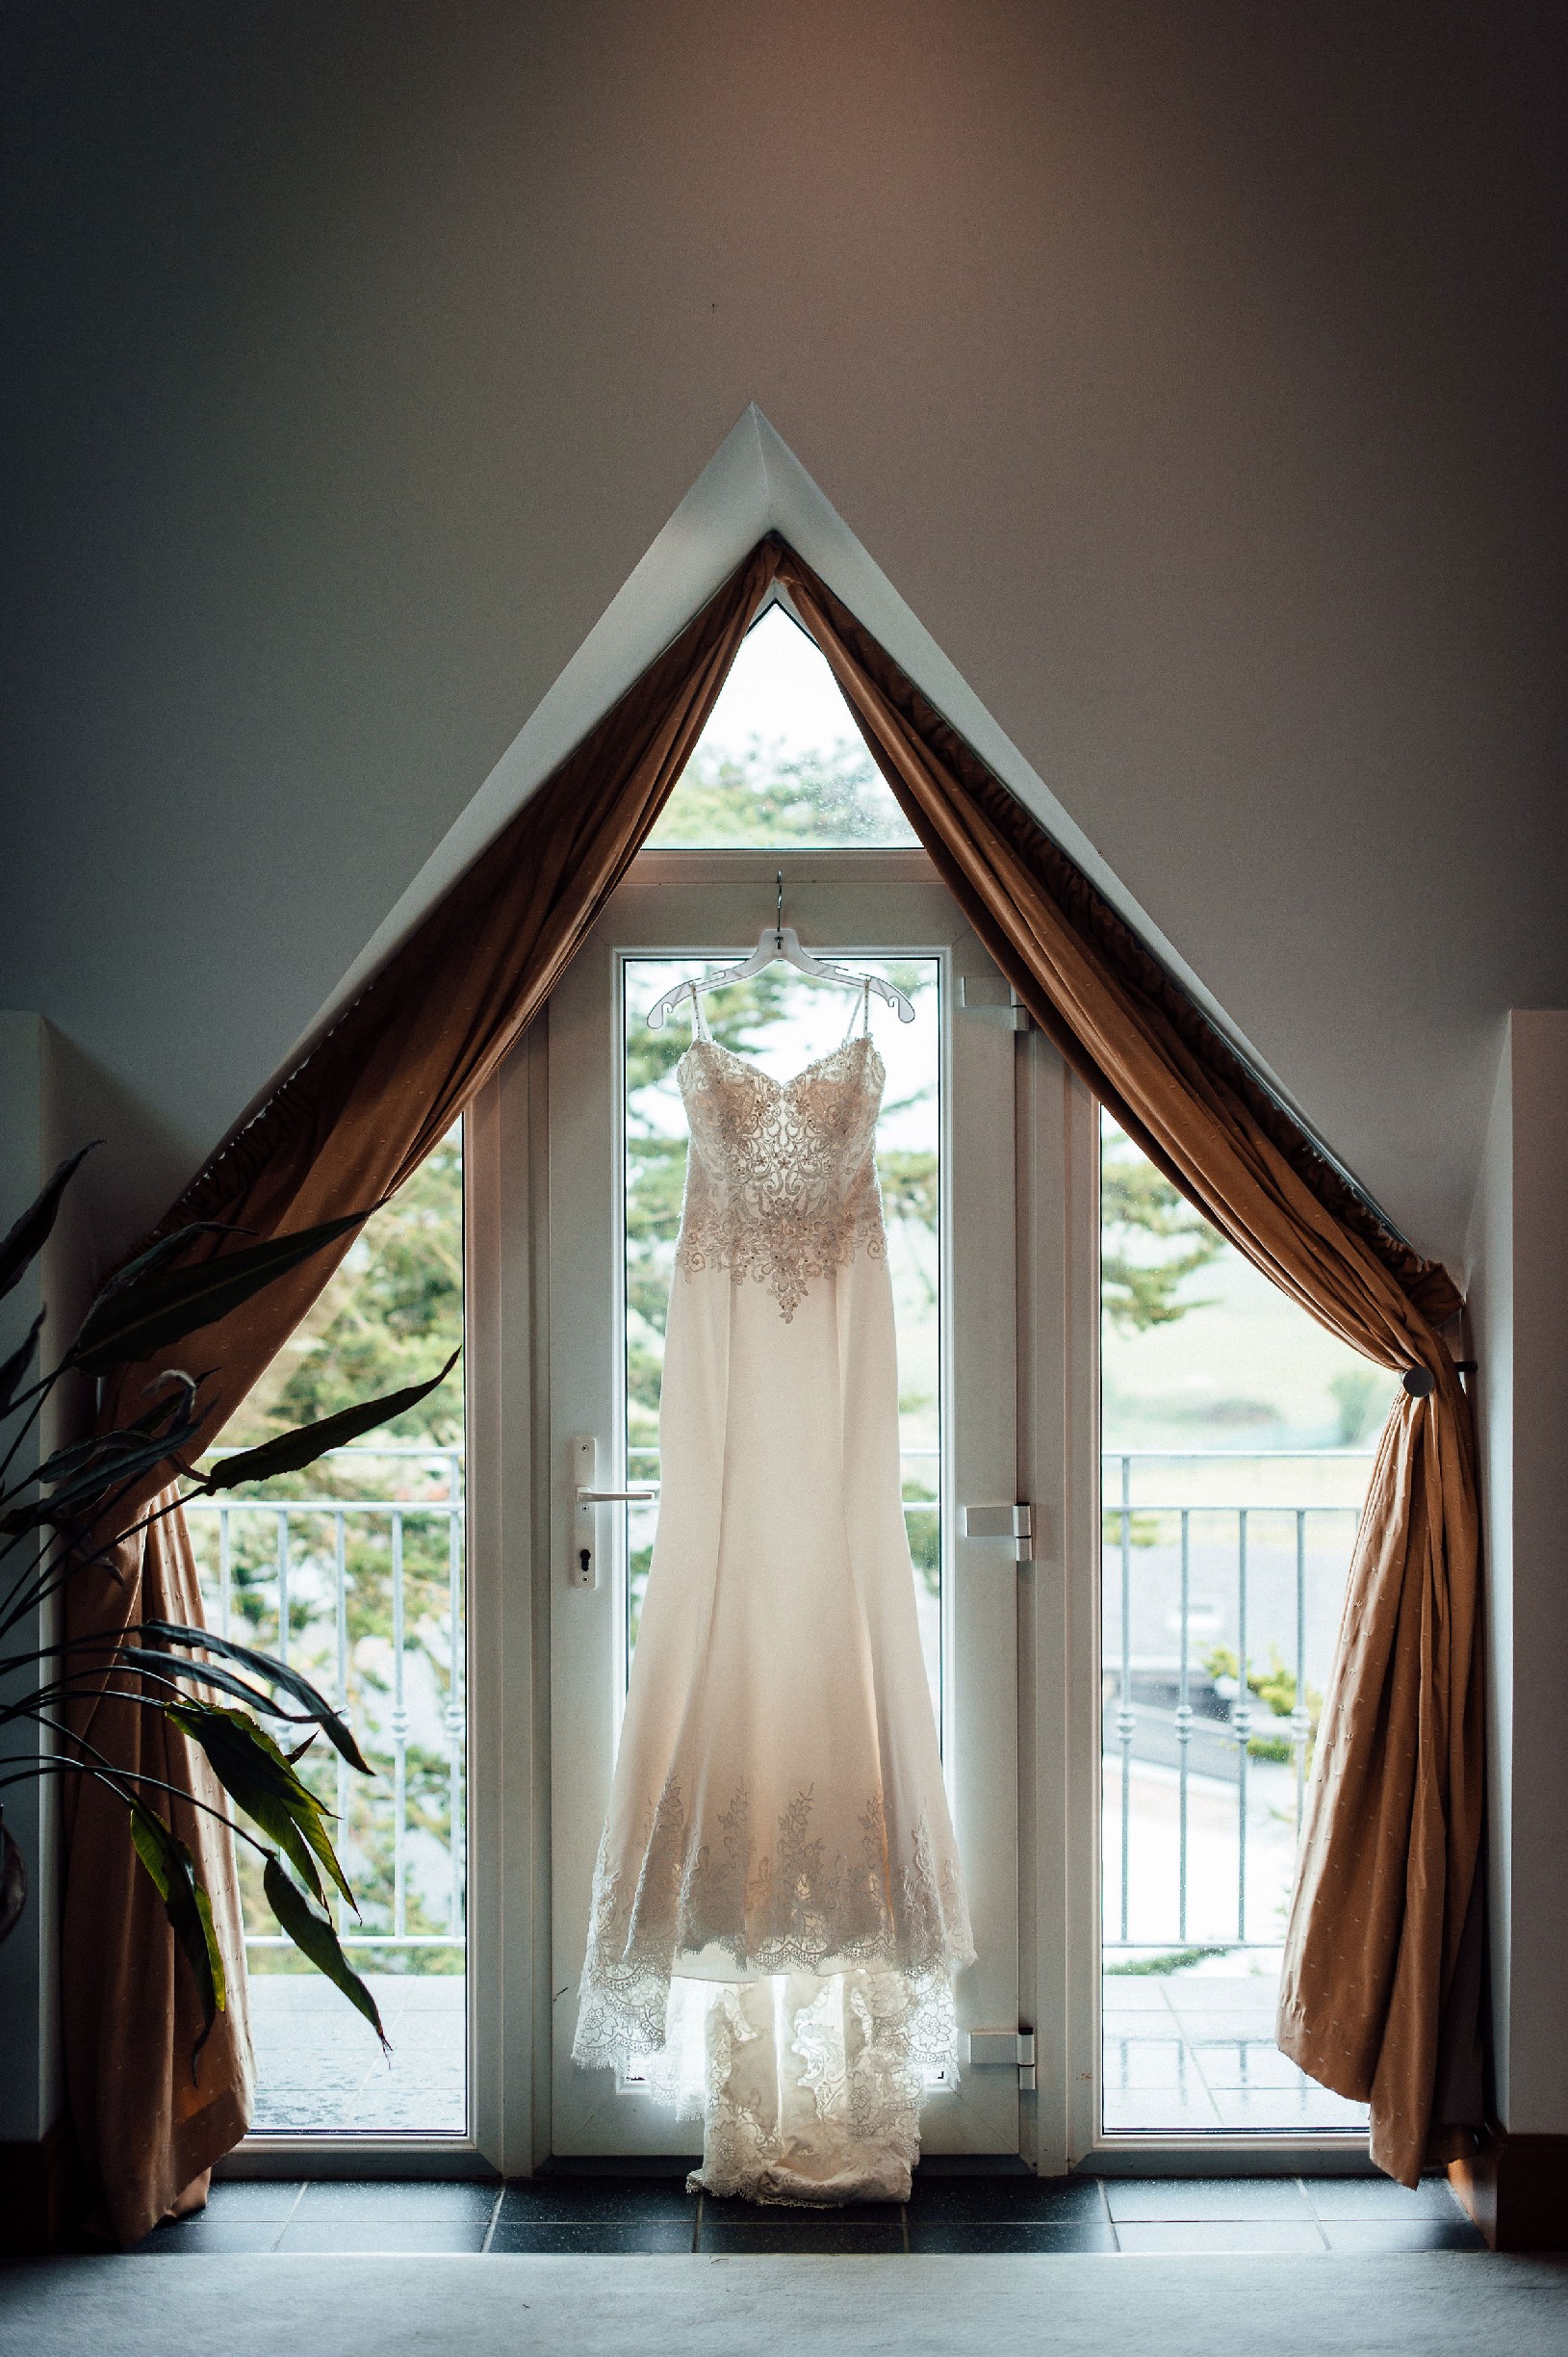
x=1005 y=2050
x=993 y=990
x=1015 y=1523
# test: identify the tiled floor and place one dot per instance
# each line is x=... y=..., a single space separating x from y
x=631 y=2214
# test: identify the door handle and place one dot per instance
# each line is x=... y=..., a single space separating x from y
x=583 y=1464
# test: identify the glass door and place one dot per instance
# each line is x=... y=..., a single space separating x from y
x=616 y=1164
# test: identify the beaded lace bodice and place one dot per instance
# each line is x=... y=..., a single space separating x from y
x=782 y=1175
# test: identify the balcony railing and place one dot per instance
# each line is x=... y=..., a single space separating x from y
x=365 y=1594
x=326 y=1581
x=1273 y=1567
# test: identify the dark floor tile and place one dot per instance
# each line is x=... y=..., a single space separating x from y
x=1272 y=2237
x=803 y=2233
x=971 y=2164
x=596 y=2197
x=1047 y=2200
x=1377 y=2237
x=348 y=2235
x=989 y=2234
x=396 y=2200
x=1166 y=2200
x=210 y=2235
x=592 y=2237
x=252 y=2200
x=786 y=2213
x=1378 y=2197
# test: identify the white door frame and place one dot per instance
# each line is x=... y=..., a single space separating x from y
x=511 y=1502
x=514 y=1507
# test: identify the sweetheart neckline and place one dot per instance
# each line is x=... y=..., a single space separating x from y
x=757 y=1072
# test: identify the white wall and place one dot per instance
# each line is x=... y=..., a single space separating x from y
x=1193 y=373
x=1519 y=1311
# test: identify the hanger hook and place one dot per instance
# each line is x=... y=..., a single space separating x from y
x=778 y=922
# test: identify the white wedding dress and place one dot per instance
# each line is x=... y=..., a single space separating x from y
x=778 y=1911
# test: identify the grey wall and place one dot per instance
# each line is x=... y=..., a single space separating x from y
x=1190 y=371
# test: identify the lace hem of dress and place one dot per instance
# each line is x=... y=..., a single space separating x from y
x=809 y=2089
x=794 y=1910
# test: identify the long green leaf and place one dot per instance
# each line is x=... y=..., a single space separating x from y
x=168 y=1665
x=105 y=1463
x=314 y=1936
x=292 y=1450
x=30 y=1233
x=162 y=1307
x=159 y=1254
x=162 y=1418
x=173 y=1875
x=274 y=1672
x=20 y=1359
x=255 y=1774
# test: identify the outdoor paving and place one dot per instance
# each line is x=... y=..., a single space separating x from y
x=318 y=2067
x=1190 y=2052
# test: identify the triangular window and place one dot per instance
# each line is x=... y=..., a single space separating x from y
x=781 y=760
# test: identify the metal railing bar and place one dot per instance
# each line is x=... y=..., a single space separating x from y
x=340 y=1552
x=1184 y=1722
x=283 y=1586
x=366 y=1939
x=1306 y=1456
x=1300 y=1716
x=1241 y=1719
x=356 y=1448
x=1127 y=1714
x=441 y=1508
x=399 y=1737
x=455 y=1715
x=1176 y=1506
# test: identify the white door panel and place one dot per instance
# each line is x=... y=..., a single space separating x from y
x=874 y=903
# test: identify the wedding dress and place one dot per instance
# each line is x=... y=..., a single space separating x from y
x=778 y=1910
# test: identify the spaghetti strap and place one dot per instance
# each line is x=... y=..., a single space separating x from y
x=699 y=1021
x=864 y=1014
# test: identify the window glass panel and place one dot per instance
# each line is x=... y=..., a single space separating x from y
x=352 y=1570
x=781 y=760
x=1238 y=1439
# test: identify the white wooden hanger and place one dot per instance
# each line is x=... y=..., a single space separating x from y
x=778 y=944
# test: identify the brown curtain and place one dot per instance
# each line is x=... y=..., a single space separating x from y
x=1392 y=1829
x=129 y=2008
x=346 y=1126
x=1393 y=1822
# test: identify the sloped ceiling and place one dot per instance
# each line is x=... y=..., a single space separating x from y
x=1193 y=374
